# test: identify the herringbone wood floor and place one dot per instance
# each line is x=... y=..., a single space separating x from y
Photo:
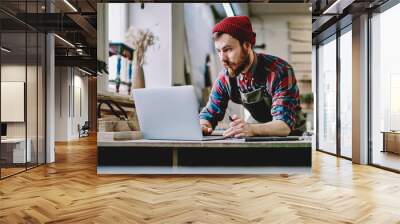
x=69 y=191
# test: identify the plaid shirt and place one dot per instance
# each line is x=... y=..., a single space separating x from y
x=277 y=77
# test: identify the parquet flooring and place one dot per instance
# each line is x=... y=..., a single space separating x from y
x=70 y=191
x=10 y=171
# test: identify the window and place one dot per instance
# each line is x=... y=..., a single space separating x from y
x=118 y=65
x=327 y=96
x=385 y=88
x=22 y=76
x=346 y=93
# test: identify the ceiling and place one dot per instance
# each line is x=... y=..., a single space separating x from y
x=20 y=54
x=39 y=6
x=332 y=15
x=265 y=7
x=257 y=9
x=75 y=22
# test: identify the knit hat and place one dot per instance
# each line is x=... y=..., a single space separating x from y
x=238 y=27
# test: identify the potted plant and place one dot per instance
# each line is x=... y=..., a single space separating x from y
x=140 y=40
x=306 y=100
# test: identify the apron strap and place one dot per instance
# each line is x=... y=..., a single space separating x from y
x=235 y=95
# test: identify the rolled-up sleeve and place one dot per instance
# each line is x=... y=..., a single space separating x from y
x=285 y=96
x=215 y=108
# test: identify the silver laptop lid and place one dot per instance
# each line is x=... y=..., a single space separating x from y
x=169 y=113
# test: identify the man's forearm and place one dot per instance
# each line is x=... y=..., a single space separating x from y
x=272 y=128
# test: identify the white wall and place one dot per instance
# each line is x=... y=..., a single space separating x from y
x=288 y=36
x=67 y=116
x=14 y=73
x=80 y=83
x=117 y=22
x=158 y=68
x=178 y=37
x=17 y=73
x=314 y=90
x=158 y=18
x=61 y=103
x=199 y=23
x=102 y=44
x=33 y=126
x=50 y=95
x=272 y=30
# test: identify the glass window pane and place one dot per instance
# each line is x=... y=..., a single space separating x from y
x=41 y=98
x=31 y=97
x=327 y=97
x=385 y=86
x=346 y=94
x=13 y=85
x=118 y=66
x=22 y=81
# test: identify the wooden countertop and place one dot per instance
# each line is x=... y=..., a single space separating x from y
x=226 y=143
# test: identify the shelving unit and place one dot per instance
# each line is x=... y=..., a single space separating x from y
x=194 y=157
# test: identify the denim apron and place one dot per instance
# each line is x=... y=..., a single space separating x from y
x=258 y=102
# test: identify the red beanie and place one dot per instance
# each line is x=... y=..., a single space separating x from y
x=238 y=27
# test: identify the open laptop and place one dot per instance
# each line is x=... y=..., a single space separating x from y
x=169 y=113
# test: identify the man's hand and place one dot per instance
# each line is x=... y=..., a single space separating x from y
x=206 y=127
x=238 y=128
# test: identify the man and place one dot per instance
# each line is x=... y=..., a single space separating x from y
x=264 y=84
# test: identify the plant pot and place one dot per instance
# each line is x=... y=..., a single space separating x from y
x=138 y=77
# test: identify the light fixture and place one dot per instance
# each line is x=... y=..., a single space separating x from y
x=86 y=72
x=70 y=5
x=64 y=40
x=228 y=9
x=5 y=50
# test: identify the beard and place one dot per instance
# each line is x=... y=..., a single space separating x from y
x=244 y=60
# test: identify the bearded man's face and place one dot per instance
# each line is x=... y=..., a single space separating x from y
x=233 y=55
